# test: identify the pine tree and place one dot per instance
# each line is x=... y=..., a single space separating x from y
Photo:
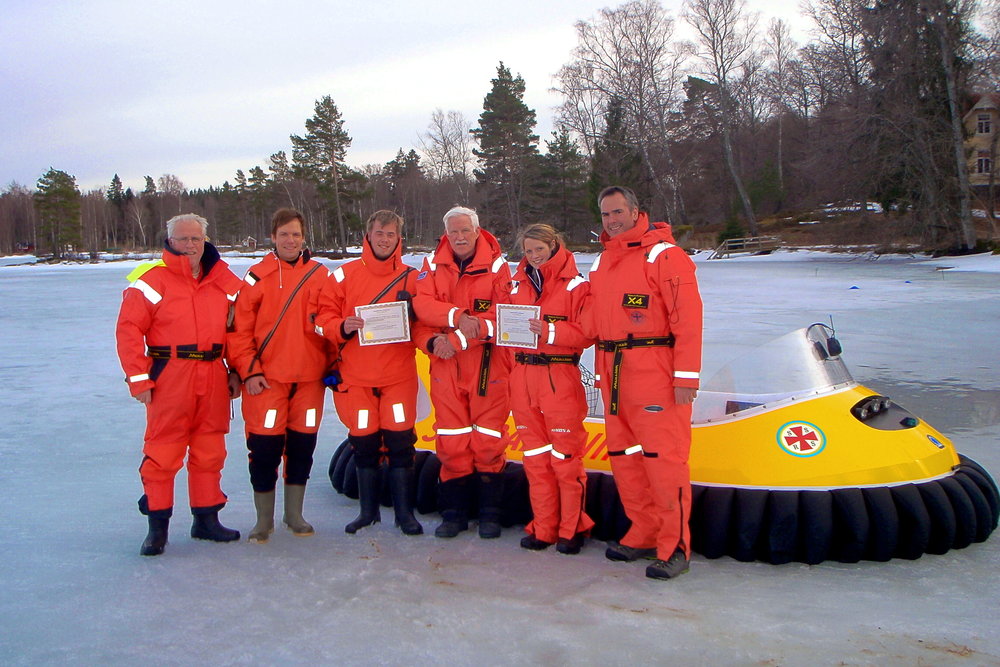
x=58 y=203
x=116 y=196
x=407 y=181
x=227 y=217
x=563 y=186
x=508 y=152
x=279 y=168
x=615 y=161
x=259 y=196
x=320 y=156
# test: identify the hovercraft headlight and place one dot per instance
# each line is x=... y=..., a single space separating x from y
x=881 y=413
x=868 y=408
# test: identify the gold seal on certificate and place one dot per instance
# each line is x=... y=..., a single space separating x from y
x=512 y=325
x=384 y=323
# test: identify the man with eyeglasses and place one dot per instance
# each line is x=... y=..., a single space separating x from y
x=171 y=334
x=457 y=293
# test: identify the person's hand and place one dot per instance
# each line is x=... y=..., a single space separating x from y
x=352 y=324
x=537 y=326
x=256 y=384
x=235 y=387
x=469 y=326
x=684 y=395
x=442 y=348
x=145 y=397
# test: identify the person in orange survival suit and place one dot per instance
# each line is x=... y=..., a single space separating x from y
x=171 y=334
x=457 y=292
x=282 y=366
x=377 y=397
x=645 y=308
x=546 y=394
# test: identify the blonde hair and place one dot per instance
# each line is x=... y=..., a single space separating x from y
x=540 y=232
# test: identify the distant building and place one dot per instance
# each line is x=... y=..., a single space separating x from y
x=982 y=129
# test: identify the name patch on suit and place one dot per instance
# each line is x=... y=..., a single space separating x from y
x=635 y=301
x=555 y=318
x=482 y=305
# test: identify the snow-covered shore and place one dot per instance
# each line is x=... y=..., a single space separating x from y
x=74 y=590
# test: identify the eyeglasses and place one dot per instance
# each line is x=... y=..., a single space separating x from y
x=189 y=239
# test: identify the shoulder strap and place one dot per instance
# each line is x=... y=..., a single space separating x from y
x=267 y=338
x=385 y=290
x=390 y=285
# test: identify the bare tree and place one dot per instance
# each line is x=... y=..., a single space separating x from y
x=171 y=186
x=135 y=209
x=991 y=31
x=941 y=14
x=780 y=48
x=447 y=148
x=838 y=23
x=628 y=54
x=727 y=36
x=583 y=107
x=18 y=219
x=843 y=60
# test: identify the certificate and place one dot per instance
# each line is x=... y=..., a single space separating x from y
x=512 y=325
x=384 y=323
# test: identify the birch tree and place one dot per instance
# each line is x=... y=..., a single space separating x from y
x=727 y=36
x=447 y=147
x=628 y=54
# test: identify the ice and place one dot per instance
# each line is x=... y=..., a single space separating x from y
x=75 y=591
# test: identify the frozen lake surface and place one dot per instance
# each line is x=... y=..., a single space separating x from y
x=73 y=589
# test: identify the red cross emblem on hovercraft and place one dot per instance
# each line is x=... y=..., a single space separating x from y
x=801 y=439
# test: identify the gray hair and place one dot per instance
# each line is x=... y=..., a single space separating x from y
x=172 y=222
x=630 y=198
x=462 y=210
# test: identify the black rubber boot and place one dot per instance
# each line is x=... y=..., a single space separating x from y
x=400 y=484
x=156 y=538
x=490 y=504
x=206 y=526
x=159 y=522
x=368 y=497
x=453 y=500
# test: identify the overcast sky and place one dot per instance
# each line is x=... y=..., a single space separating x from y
x=201 y=89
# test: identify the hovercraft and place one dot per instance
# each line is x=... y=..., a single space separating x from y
x=791 y=460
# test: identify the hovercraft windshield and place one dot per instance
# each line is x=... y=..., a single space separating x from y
x=802 y=364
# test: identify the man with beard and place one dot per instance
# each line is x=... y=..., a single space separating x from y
x=457 y=293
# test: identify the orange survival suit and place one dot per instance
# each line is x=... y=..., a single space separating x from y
x=548 y=401
x=469 y=391
x=171 y=335
x=282 y=421
x=376 y=398
x=646 y=311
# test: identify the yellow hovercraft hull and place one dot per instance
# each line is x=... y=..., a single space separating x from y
x=801 y=479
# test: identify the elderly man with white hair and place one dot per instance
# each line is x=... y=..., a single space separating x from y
x=171 y=335
x=457 y=293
